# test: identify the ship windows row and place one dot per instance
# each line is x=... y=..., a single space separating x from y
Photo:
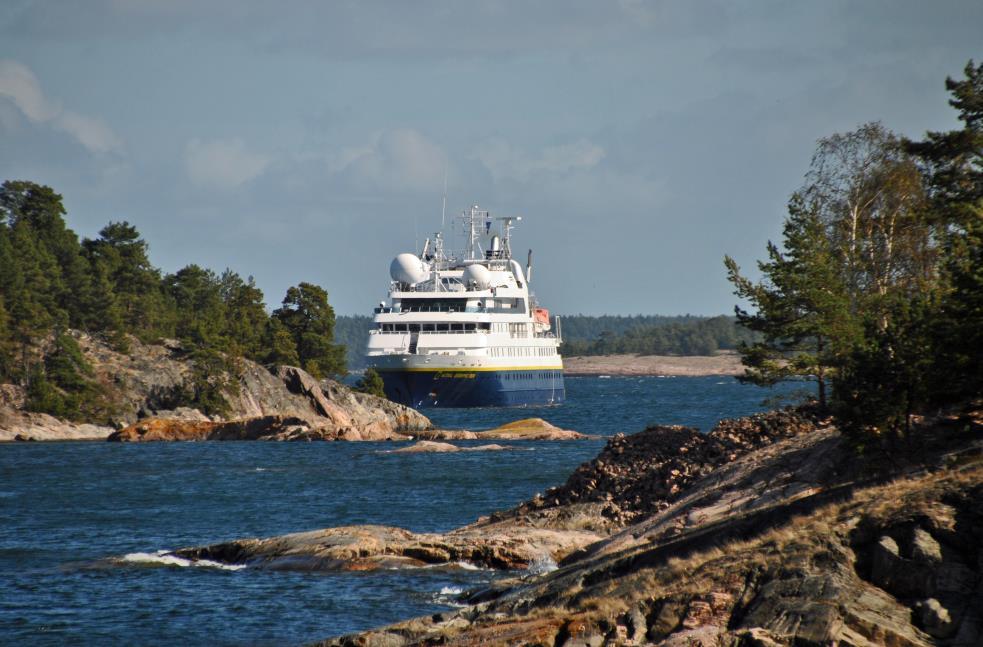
x=520 y=351
x=533 y=375
x=435 y=327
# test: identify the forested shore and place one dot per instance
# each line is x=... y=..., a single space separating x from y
x=52 y=282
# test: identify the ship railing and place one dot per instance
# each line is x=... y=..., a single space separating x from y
x=376 y=331
x=468 y=309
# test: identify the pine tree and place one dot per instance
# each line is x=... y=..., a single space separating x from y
x=279 y=347
x=40 y=209
x=136 y=284
x=953 y=165
x=201 y=316
x=802 y=306
x=245 y=315
x=309 y=319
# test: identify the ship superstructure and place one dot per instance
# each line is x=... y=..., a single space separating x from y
x=464 y=330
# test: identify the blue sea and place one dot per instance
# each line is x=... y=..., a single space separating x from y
x=82 y=524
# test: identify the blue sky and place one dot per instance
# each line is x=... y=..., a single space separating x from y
x=308 y=141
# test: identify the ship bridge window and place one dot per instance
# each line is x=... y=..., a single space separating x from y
x=435 y=327
x=433 y=305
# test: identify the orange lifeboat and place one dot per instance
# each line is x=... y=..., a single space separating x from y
x=541 y=315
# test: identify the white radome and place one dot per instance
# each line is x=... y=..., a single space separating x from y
x=408 y=268
x=477 y=276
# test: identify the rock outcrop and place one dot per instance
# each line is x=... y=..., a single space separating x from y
x=534 y=528
x=24 y=425
x=300 y=408
x=362 y=548
x=640 y=474
x=525 y=429
x=801 y=541
x=771 y=530
x=288 y=404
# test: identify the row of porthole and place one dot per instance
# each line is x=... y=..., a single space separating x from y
x=530 y=375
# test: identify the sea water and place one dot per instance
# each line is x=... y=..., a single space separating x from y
x=85 y=527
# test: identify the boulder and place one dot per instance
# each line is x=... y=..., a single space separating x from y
x=530 y=429
x=41 y=426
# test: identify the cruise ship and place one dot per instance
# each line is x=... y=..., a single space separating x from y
x=463 y=329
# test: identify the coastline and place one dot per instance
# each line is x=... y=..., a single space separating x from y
x=723 y=363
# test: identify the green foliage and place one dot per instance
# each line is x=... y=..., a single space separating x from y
x=888 y=374
x=309 y=319
x=64 y=385
x=885 y=281
x=801 y=307
x=952 y=163
x=279 y=344
x=6 y=353
x=213 y=377
x=245 y=315
x=200 y=310
x=960 y=319
x=371 y=383
x=140 y=303
x=50 y=282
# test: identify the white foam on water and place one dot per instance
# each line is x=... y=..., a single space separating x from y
x=259 y=469
x=166 y=558
x=464 y=566
x=447 y=597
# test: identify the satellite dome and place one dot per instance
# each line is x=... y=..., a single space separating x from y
x=477 y=276
x=408 y=268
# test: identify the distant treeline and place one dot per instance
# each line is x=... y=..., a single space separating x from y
x=50 y=282
x=600 y=335
x=651 y=335
x=353 y=332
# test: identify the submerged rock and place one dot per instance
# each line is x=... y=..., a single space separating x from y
x=428 y=446
x=525 y=429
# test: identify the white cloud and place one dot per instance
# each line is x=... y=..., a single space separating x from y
x=19 y=86
x=91 y=133
x=505 y=161
x=222 y=163
x=400 y=159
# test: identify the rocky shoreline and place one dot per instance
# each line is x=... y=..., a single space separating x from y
x=770 y=530
x=280 y=404
x=723 y=363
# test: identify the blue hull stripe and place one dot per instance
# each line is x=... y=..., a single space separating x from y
x=422 y=389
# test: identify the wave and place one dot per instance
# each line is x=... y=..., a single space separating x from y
x=450 y=596
x=167 y=558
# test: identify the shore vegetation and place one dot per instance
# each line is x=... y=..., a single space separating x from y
x=51 y=282
x=876 y=290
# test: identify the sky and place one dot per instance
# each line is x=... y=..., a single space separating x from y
x=309 y=141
